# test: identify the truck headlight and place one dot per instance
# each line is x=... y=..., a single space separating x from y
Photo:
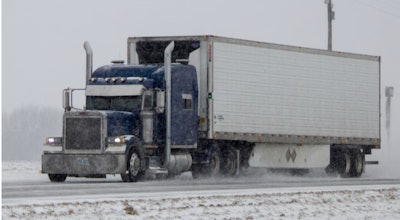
x=116 y=140
x=52 y=144
x=116 y=144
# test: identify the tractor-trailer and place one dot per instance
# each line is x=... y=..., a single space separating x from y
x=217 y=106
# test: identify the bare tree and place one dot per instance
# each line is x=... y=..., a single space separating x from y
x=24 y=131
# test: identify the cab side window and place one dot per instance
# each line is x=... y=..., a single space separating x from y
x=187 y=101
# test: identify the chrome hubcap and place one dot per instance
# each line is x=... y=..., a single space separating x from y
x=134 y=163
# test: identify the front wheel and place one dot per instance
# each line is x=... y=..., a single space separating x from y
x=135 y=171
x=58 y=178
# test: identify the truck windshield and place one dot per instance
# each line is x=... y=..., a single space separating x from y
x=116 y=103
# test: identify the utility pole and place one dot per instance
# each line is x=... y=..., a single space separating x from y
x=331 y=16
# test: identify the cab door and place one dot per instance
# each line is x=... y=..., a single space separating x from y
x=184 y=99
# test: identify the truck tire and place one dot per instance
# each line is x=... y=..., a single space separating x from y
x=344 y=164
x=357 y=163
x=58 y=178
x=125 y=177
x=135 y=169
x=210 y=169
x=214 y=167
x=229 y=161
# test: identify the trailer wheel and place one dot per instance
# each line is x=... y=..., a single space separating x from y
x=344 y=164
x=59 y=178
x=358 y=161
x=134 y=167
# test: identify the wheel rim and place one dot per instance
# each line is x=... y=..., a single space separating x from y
x=134 y=164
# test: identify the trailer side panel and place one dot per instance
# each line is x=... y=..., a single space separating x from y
x=280 y=93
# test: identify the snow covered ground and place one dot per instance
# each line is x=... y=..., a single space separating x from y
x=335 y=202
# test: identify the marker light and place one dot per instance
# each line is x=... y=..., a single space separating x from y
x=50 y=140
x=53 y=141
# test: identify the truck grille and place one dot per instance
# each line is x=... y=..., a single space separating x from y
x=83 y=133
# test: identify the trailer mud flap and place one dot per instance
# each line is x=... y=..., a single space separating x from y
x=289 y=156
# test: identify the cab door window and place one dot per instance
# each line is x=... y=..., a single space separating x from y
x=187 y=101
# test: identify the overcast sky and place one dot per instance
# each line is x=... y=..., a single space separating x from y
x=42 y=40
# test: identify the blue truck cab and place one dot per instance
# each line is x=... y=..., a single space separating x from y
x=123 y=128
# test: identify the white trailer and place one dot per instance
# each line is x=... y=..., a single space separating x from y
x=277 y=106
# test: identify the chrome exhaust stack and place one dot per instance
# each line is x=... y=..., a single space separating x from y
x=89 y=61
x=177 y=162
x=167 y=65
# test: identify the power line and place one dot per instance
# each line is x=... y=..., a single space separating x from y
x=389 y=3
x=381 y=10
x=386 y=7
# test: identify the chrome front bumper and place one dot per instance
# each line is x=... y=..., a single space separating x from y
x=83 y=164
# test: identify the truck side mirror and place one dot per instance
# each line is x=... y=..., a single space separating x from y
x=67 y=99
x=160 y=105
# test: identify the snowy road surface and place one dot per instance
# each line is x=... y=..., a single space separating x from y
x=26 y=194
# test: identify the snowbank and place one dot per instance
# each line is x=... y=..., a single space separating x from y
x=373 y=203
x=338 y=202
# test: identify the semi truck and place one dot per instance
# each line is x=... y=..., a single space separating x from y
x=218 y=106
